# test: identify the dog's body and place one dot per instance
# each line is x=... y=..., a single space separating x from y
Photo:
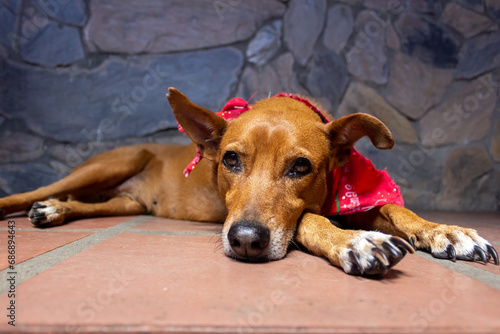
x=263 y=174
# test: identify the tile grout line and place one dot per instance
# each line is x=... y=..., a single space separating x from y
x=45 y=230
x=463 y=268
x=32 y=267
x=175 y=233
x=139 y=231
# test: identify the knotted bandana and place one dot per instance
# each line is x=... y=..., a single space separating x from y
x=231 y=110
x=358 y=186
x=355 y=187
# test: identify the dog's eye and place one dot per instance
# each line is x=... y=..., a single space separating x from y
x=232 y=161
x=300 y=167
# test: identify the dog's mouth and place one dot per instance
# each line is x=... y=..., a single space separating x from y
x=250 y=241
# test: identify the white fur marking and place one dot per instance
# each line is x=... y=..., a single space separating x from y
x=463 y=243
x=362 y=245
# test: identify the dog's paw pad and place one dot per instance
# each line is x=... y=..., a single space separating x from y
x=454 y=242
x=47 y=213
x=373 y=253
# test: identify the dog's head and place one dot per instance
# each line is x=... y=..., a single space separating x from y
x=271 y=166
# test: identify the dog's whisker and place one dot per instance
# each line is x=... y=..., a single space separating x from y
x=218 y=244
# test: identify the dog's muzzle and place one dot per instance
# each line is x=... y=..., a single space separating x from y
x=249 y=240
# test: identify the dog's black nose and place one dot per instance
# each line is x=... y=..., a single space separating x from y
x=248 y=239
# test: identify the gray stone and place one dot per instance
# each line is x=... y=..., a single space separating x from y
x=69 y=156
x=275 y=77
x=19 y=147
x=497 y=186
x=493 y=9
x=392 y=38
x=466 y=115
x=467 y=22
x=302 y=26
x=419 y=200
x=340 y=23
x=413 y=167
x=479 y=55
x=53 y=45
x=495 y=142
x=65 y=157
x=118 y=99
x=366 y=59
x=17 y=178
x=392 y=7
x=433 y=7
x=327 y=78
x=7 y=28
x=475 y=5
x=463 y=167
x=3 y=52
x=12 y=4
x=361 y=98
x=69 y=12
x=428 y=41
x=425 y=89
x=396 y=7
x=481 y=195
x=265 y=44
x=157 y=26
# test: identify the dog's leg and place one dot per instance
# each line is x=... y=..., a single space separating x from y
x=54 y=212
x=100 y=172
x=442 y=241
x=357 y=252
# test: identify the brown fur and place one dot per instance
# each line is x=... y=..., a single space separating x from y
x=263 y=203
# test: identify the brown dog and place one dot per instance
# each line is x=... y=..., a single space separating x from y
x=265 y=175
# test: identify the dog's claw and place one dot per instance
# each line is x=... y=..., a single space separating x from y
x=38 y=215
x=395 y=251
x=412 y=242
x=356 y=266
x=381 y=257
x=402 y=244
x=376 y=267
x=493 y=253
x=480 y=252
x=452 y=254
x=38 y=205
x=38 y=219
x=35 y=215
x=373 y=253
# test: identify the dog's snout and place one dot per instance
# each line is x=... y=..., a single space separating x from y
x=248 y=239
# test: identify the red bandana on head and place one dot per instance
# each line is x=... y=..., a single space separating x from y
x=355 y=187
x=231 y=110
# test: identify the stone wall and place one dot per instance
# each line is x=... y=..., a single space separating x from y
x=78 y=77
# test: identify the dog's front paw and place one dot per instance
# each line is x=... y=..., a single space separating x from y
x=373 y=253
x=47 y=213
x=454 y=242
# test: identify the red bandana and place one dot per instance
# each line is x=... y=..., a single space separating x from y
x=358 y=186
x=355 y=187
x=231 y=110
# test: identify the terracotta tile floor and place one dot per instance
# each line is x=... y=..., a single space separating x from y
x=145 y=274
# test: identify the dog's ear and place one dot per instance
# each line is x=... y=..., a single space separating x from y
x=201 y=125
x=347 y=130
